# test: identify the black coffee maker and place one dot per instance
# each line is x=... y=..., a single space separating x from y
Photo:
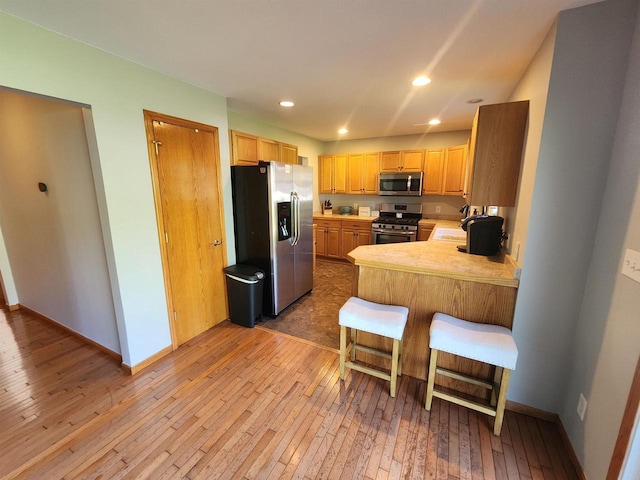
x=484 y=235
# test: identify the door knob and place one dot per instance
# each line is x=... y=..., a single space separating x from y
x=216 y=243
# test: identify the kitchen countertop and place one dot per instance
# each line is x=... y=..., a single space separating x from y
x=438 y=258
x=339 y=216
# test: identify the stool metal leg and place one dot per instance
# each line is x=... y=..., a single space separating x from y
x=343 y=350
x=502 y=400
x=432 y=378
x=394 y=366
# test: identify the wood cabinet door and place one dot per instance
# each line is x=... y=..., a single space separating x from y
x=364 y=237
x=411 y=160
x=349 y=241
x=325 y=174
x=268 y=150
x=334 y=242
x=455 y=163
x=433 y=165
x=354 y=173
x=497 y=141
x=390 y=161
x=244 y=148
x=424 y=232
x=321 y=241
x=288 y=153
x=340 y=173
x=370 y=170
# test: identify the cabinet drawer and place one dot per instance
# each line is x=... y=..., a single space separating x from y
x=358 y=225
x=327 y=223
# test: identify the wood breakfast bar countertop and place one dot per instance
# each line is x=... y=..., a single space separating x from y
x=429 y=277
x=439 y=258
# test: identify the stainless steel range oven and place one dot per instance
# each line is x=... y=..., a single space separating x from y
x=396 y=223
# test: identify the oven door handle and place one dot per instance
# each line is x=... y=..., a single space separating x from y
x=392 y=232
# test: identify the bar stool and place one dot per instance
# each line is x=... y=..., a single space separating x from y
x=490 y=344
x=384 y=320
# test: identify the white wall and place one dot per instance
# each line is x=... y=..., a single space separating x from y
x=40 y=61
x=590 y=57
x=307 y=147
x=533 y=86
x=53 y=239
x=607 y=335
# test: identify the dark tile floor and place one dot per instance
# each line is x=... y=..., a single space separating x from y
x=315 y=316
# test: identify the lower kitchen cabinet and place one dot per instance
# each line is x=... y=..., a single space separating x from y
x=328 y=241
x=355 y=234
x=424 y=230
x=335 y=238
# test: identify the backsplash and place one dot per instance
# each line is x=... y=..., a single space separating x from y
x=449 y=206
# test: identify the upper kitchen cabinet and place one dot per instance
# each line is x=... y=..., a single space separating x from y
x=402 y=161
x=247 y=149
x=455 y=165
x=495 y=153
x=332 y=173
x=288 y=153
x=362 y=173
x=268 y=150
x=244 y=148
x=433 y=165
x=444 y=171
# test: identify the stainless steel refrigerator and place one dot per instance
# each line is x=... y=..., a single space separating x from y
x=273 y=220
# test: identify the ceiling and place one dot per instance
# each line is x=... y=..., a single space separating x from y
x=345 y=63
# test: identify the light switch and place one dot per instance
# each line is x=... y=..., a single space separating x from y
x=631 y=265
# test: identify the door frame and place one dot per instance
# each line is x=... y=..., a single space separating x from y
x=631 y=412
x=149 y=117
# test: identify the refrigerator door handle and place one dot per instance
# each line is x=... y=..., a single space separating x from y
x=296 y=220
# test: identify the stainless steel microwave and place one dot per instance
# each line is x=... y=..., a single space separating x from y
x=400 y=184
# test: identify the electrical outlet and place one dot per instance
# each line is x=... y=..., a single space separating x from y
x=631 y=265
x=437 y=208
x=582 y=407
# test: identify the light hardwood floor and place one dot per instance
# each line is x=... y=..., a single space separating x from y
x=240 y=403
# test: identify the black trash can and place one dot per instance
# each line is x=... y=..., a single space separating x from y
x=244 y=291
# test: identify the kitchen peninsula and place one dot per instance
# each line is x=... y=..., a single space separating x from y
x=430 y=277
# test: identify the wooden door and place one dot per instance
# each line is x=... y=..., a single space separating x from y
x=390 y=161
x=333 y=242
x=412 y=160
x=325 y=174
x=185 y=162
x=364 y=236
x=349 y=241
x=288 y=153
x=268 y=150
x=354 y=173
x=340 y=173
x=455 y=165
x=244 y=148
x=370 y=173
x=433 y=165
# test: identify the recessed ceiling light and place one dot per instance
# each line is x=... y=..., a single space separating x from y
x=435 y=121
x=475 y=100
x=342 y=131
x=421 y=81
x=286 y=103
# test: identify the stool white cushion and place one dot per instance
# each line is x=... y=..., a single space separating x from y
x=385 y=320
x=491 y=344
